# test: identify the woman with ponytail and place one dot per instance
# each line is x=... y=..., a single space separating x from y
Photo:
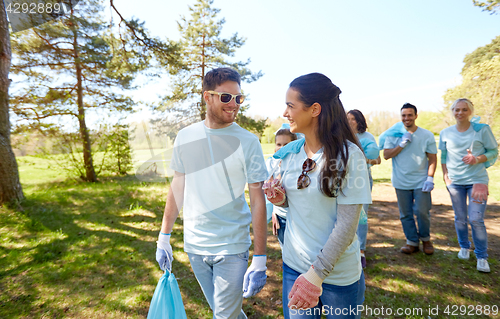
x=325 y=178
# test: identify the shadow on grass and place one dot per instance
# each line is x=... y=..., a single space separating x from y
x=79 y=246
x=381 y=180
x=420 y=281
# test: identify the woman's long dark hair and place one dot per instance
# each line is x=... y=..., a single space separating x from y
x=360 y=120
x=333 y=128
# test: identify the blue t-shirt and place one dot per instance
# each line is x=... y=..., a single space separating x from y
x=217 y=163
x=456 y=143
x=410 y=167
x=312 y=215
x=368 y=148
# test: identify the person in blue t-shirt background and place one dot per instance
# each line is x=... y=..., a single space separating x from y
x=467 y=149
x=277 y=213
x=414 y=163
x=358 y=125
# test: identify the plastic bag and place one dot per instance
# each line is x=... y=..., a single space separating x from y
x=167 y=300
x=363 y=217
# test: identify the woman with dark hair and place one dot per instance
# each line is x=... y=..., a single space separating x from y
x=326 y=182
x=371 y=150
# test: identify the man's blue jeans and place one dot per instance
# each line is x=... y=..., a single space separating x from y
x=473 y=214
x=335 y=301
x=415 y=202
x=221 y=279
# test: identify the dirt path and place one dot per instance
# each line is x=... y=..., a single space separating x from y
x=385 y=237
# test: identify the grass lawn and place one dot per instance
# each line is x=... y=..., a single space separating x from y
x=80 y=250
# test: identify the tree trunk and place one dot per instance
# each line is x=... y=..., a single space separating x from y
x=10 y=187
x=84 y=132
x=203 y=108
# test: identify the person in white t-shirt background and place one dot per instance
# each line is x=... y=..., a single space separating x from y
x=325 y=177
x=213 y=161
x=414 y=163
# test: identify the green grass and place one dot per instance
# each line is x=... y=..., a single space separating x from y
x=81 y=250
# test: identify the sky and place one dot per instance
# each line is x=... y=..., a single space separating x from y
x=381 y=54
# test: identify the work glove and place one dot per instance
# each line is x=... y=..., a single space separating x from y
x=405 y=140
x=306 y=291
x=275 y=192
x=164 y=255
x=255 y=276
x=480 y=193
x=428 y=185
x=469 y=158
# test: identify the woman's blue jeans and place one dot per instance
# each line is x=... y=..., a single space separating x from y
x=473 y=214
x=335 y=301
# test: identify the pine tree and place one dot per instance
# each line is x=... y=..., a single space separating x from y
x=74 y=65
x=203 y=50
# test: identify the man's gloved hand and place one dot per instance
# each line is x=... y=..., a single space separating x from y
x=480 y=193
x=405 y=140
x=306 y=291
x=255 y=277
x=428 y=185
x=164 y=255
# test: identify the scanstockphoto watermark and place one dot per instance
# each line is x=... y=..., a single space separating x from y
x=367 y=311
x=26 y=14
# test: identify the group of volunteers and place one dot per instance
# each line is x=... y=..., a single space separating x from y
x=320 y=186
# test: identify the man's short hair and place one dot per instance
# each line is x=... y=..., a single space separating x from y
x=216 y=77
x=409 y=106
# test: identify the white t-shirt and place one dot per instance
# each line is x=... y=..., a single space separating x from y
x=312 y=215
x=410 y=167
x=217 y=163
x=456 y=144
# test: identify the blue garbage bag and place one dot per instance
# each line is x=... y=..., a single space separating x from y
x=167 y=300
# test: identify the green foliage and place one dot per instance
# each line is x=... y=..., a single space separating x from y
x=434 y=121
x=78 y=64
x=488 y=5
x=203 y=49
x=46 y=59
x=119 y=159
x=481 y=84
x=272 y=126
x=483 y=53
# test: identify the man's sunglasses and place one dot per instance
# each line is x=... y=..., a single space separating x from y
x=304 y=180
x=227 y=97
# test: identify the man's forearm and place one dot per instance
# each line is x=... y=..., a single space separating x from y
x=392 y=152
x=175 y=199
x=259 y=218
x=432 y=164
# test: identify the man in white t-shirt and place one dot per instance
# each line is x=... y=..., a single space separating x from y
x=413 y=166
x=213 y=161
